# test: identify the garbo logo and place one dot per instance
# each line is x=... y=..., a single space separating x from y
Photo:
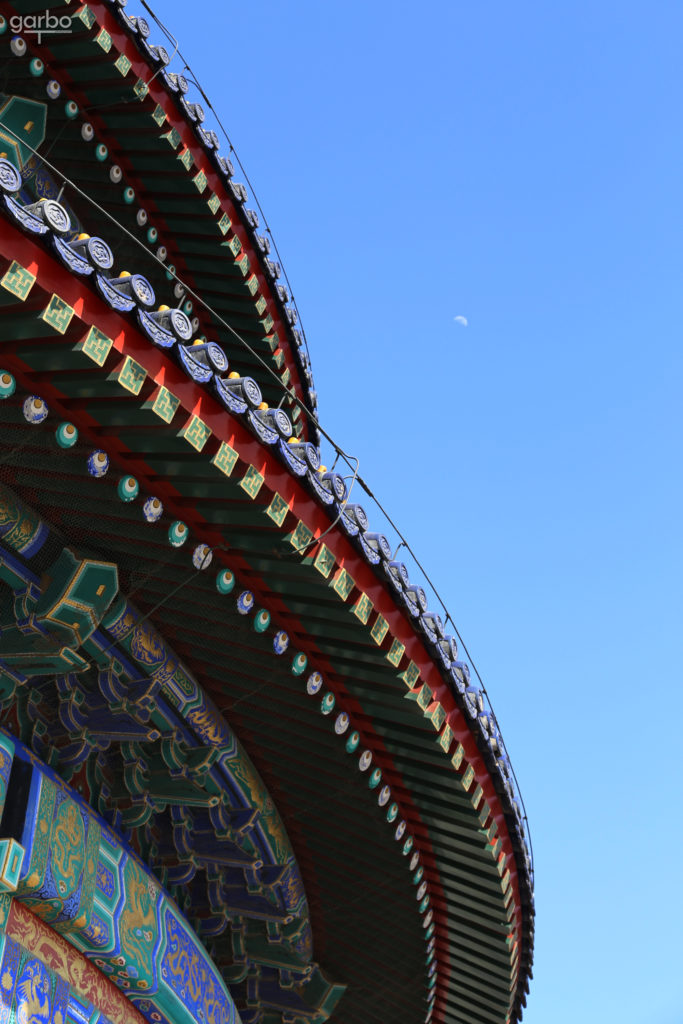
x=40 y=24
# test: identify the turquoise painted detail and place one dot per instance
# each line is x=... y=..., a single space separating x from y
x=299 y=663
x=8 y=384
x=177 y=534
x=128 y=488
x=261 y=620
x=352 y=742
x=22 y=128
x=67 y=435
x=225 y=581
x=81 y=879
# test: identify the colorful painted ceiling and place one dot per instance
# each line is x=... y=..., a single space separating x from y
x=247 y=773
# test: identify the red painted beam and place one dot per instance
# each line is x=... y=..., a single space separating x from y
x=160 y=96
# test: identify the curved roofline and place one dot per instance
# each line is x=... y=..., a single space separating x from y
x=276 y=476
x=117 y=10
x=318 y=519
x=153 y=85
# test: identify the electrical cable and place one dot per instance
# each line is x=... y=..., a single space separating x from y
x=183 y=583
x=220 y=124
x=190 y=291
x=342 y=506
x=347 y=457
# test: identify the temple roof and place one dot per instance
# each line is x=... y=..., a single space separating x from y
x=383 y=758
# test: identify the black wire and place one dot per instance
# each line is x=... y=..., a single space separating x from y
x=222 y=127
x=165 y=598
x=190 y=291
x=337 y=448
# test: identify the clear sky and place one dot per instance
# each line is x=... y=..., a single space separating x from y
x=519 y=166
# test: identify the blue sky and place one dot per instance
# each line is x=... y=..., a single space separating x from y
x=518 y=166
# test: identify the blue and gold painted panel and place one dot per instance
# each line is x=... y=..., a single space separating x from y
x=135 y=731
x=31 y=992
x=82 y=880
x=61 y=840
x=92 y=996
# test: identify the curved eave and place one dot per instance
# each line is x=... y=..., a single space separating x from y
x=129 y=122
x=185 y=476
